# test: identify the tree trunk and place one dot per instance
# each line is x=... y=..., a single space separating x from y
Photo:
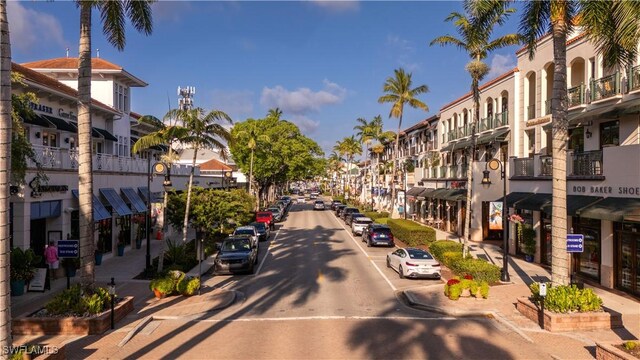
x=470 y=160
x=251 y=174
x=85 y=166
x=393 y=170
x=559 y=256
x=5 y=177
x=185 y=224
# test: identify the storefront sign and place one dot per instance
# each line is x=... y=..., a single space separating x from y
x=67 y=115
x=37 y=189
x=68 y=249
x=41 y=108
x=539 y=121
x=575 y=243
x=607 y=190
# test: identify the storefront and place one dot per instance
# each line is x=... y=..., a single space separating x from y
x=627 y=257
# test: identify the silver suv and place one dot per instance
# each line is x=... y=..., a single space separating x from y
x=358 y=224
x=318 y=205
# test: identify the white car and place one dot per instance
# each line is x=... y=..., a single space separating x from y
x=414 y=263
x=359 y=224
x=301 y=200
x=248 y=230
x=318 y=205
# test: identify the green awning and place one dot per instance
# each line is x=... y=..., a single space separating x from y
x=437 y=193
x=456 y=194
x=534 y=202
x=60 y=124
x=499 y=135
x=514 y=197
x=448 y=147
x=574 y=203
x=613 y=209
x=414 y=191
x=425 y=193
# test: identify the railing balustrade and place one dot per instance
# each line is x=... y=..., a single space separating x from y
x=588 y=163
x=605 y=87
x=546 y=165
x=576 y=95
x=634 y=78
x=523 y=167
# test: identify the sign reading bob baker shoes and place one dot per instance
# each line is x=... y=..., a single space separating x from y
x=621 y=191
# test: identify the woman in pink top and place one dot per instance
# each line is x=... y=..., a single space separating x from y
x=51 y=258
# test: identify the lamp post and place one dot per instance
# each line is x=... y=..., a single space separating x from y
x=148 y=220
x=112 y=295
x=162 y=168
x=227 y=179
x=495 y=164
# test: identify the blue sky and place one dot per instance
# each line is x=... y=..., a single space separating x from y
x=322 y=62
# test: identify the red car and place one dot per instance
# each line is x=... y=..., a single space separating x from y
x=265 y=217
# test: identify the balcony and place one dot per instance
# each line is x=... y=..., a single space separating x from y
x=413 y=151
x=576 y=95
x=588 y=163
x=531 y=112
x=605 y=87
x=463 y=171
x=495 y=121
x=546 y=165
x=523 y=167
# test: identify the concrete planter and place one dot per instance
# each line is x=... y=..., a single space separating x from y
x=71 y=325
x=569 y=322
x=606 y=351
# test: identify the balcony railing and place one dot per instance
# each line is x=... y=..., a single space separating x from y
x=453 y=171
x=413 y=151
x=588 y=163
x=443 y=172
x=546 y=166
x=463 y=171
x=531 y=112
x=576 y=95
x=634 y=78
x=501 y=119
x=605 y=87
x=451 y=135
x=523 y=167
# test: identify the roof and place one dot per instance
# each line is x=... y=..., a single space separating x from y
x=135 y=115
x=55 y=85
x=569 y=42
x=482 y=87
x=214 y=164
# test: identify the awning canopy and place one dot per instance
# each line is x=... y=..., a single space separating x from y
x=144 y=195
x=514 y=197
x=613 y=209
x=463 y=144
x=414 y=191
x=435 y=194
x=35 y=119
x=425 y=193
x=137 y=203
x=449 y=147
x=456 y=194
x=574 y=203
x=495 y=136
x=534 y=202
x=116 y=201
x=105 y=134
x=99 y=211
x=60 y=124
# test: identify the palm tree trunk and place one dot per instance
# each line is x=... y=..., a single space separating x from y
x=251 y=178
x=5 y=177
x=393 y=169
x=185 y=224
x=559 y=256
x=467 y=212
x=85 y=166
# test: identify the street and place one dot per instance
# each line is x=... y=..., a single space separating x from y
x=321 y=293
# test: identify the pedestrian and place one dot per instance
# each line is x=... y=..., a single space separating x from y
x=51 y=258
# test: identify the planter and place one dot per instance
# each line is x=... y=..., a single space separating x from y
x=70 y=271
x=71 y=325
x=98 y=258
x=528 y=258
x=569 y=322
x=120 y=250
x=17 y=287
x=606 y=351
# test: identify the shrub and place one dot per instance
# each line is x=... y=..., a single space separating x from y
x=382 y=221
x=630 y=345
x=75 y=301
x=438 y=248
x=468 y=277
x=188 y=286
x=411 y=233
x=484 y=289
x=565 y=299
x=164 y=285
x=450 y=257
x=375 y=215
x=454 y=291
x=453 y=281
x=479 y=269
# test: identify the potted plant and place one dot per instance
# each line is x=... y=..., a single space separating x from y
x=22 y=269
x=70 y=265
x=528 y=241
x=121 y=243
x=162 y=287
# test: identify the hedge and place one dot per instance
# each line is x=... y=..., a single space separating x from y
x=381 y=220
x=411 y=233
x=449 y=253
x=440 y=247
x=376 y=215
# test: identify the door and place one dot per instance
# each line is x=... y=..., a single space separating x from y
x=628 y=274
x=38 y=236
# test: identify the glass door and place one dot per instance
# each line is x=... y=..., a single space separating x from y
x=628 y=274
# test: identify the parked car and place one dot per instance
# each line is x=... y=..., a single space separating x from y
x=339 y=209
x=414 y=263
x=248 y=230
x=286 y=199
x=358 y=224
x=266 y=217
x=348 y=219
x=313 y=195
x=301 y=200
x=263 y=230
x=335 y=203
x=318 y=205
x=236 y=254
x=348 y=210
x=283 y=205
x=378 y=234
x=277 y=213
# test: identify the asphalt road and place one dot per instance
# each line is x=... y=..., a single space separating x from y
x=319 y=292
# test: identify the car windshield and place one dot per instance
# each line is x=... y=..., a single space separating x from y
x=319 y=202
x=259 y=226
x=382 y=231
x=419 y=254
x=244 y=232
x=363 y=221
x=236 y=245
x=274 y=210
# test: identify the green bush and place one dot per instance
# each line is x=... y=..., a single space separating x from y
x=78 y=302
x=565 y=299
x=454 y=291
x=188 y=286
x=411 y=233
x=376 y=215
x=382 y=221
x=479 y=269
x=164 y=285
x=438 y=248
x=484 y=289
x=630 y=345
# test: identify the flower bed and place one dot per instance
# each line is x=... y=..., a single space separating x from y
x=617 y=351
x=569 y=322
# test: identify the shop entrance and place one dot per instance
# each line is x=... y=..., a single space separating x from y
x=38 y=236
x=628 y=257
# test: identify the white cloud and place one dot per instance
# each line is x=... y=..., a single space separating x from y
x=30 y=28
x=303 y=100
x=500 y=64
x=307 y=126
x=170 y=10
x=237 y=104
x=337 y=6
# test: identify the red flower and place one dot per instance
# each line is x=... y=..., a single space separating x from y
x=452 y=282
x=468 y=277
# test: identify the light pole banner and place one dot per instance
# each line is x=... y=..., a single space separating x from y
x=495 y=215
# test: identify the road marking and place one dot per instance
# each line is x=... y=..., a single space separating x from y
x=367 y=255
x=264 y=258
x=303 y=318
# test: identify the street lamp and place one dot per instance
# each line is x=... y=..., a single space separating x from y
x=495 y=164
x=227 y=178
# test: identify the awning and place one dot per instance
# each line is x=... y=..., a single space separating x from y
x=137 y=203
x=116 y=201
x=425 y=193
x=105 y=134
x=534 y=202
x=435 y=194
x=514 y=197
x=462 y=144
x=144 y=195
x=449 y=147
x=495 y=136
x=613 y=209
x=456 y=194
x=574 y=203
x=36 y=119
x=414 y=191
x=99 y=211
x=60 y=124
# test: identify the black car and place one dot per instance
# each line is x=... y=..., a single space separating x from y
x=236 y=254
x=335 y=203
x=339 y=209
x=378 y=234
x=263 y=230
x=348 y=210
x=348 y=219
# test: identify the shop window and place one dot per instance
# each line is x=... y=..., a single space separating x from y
x=610 y=134
x=627 y=261
x=576 y=139
x=588 y=262
x=75 y=225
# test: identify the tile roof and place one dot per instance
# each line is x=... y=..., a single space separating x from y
x=71 y=64
x=50 y=83
x=214 y=164
x=482 y=87
x=569 y=42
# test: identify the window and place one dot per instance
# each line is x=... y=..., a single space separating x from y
x=531 y=136
x=576 y=139
x=588 y=261
x=610 y=134
x=49 y=139
x=121 y=97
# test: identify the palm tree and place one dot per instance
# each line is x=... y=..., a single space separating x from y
x=113 y=15
x=398 y=92
x=475 y=29
x=204 y=131
x=5 y=175
x=252 y=137
x=351 y=148
x=274 y=113
x=366 y=134
x=335 y=165
x=555 y=17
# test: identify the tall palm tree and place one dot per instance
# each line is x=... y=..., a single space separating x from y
x=5 y=176
x=398 y=92
x=366 y=133
x=475 y=29
x=274 y=113
x=335 y=164
x=252 y=137
x=204 y=131
x=113 y=15
x=555 y=17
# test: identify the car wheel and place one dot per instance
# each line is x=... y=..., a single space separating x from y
x=400 y=273
x=388 y=263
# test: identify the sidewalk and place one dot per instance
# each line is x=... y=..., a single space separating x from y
x=502 y=300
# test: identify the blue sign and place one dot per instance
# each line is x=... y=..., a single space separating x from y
x=68 y=249
x=575 y=243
